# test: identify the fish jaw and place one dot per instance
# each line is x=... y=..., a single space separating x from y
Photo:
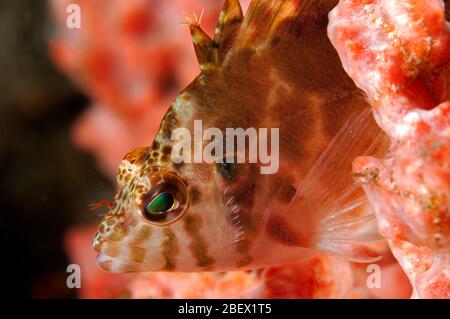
x=121 y=244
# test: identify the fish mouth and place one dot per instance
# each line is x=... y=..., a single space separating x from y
x=115 y=264
x=108 y=253
x=105 y=262
x=117 y=257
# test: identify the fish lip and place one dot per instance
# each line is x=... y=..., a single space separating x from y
x=104 y=262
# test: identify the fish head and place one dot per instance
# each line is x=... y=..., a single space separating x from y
x=182 y=216
x=171 y=217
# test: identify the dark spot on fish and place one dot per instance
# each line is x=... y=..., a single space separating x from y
x=244 y=261
x=198 y=246
x=228 y=170
x=195 y=195
x=165 y=158
x=246 y=54
x=143 y=235
x=245 y=196
x=286 y=192
x=278 y=230
x=170 y=249
x=291 y=26
x=242 y=246
x=155 y=145
x=274 y=42
x=167 y=149
x=155 y=154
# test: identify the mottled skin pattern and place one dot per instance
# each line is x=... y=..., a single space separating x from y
x=275 y=68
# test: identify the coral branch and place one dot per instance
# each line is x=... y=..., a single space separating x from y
x=398 y=53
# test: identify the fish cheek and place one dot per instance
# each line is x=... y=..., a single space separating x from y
x=238 y=185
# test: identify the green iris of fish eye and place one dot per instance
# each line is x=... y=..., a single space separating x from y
x=162 y=203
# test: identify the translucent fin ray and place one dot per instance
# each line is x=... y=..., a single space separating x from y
x=344 y=223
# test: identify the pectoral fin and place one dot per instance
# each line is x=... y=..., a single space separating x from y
x=334 y=204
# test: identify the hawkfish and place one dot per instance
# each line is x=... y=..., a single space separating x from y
x=272 y=68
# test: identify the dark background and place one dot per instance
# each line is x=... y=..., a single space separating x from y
x=46 y=183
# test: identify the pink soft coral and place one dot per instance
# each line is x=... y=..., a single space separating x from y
x=398 y=52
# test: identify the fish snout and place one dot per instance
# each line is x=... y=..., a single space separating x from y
x=110 y=230
x=121 y=248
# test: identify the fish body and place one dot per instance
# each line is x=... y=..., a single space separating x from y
x=274 y=68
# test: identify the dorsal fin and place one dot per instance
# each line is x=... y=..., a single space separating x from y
x=230 y=21
x=204 y=46
x=213 y=51
x=268 y=19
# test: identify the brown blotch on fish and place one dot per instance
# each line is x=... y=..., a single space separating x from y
x=137 y=254
x=170 y=249
x=118 y=233
x=279 y=230
x=242 y=246
x=165 y=158
x=242 y=194
x=143 y=235
x=194 y=195
x=286 y=193
x=244 y=261
x=198 y=245
x=155 y=169
x=245 y=195
x=167 y=149
x=155 y=145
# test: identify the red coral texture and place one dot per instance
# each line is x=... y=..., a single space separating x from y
x=397 y=52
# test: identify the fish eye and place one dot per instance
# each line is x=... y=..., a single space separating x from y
x=161 y=204
x=167 y=201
